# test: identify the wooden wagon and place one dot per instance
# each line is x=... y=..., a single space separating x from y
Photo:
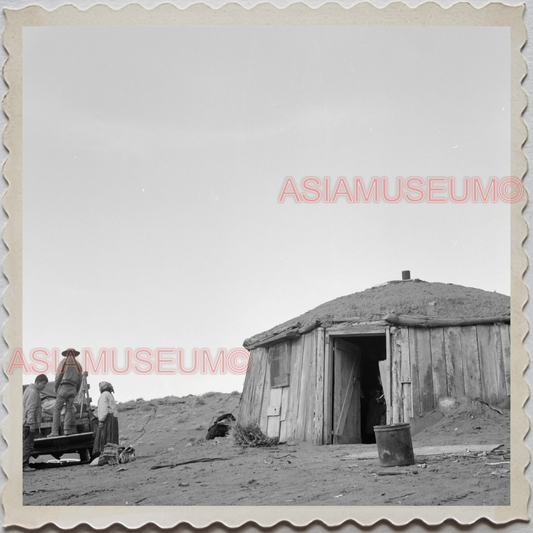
x=83 y=430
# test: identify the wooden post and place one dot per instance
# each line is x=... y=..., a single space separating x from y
x=84 y=395
x=319 y=389
x=385 y=373
x=328 y=389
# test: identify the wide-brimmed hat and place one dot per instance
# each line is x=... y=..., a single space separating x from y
x=70 y=351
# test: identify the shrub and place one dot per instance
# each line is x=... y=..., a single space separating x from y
x=250 y=434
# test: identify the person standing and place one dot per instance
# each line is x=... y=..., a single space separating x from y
x=107 y=431
x=31 y=418
x=67 y=385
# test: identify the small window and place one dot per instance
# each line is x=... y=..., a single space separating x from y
x=280 y=364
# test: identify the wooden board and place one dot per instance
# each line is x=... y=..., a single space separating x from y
x=432 y=450
x=491 y=364
x=319 y=389
x=305 y=386
x=273 y=422
x=438 y=364
x=284 y=403
x=346 y=399
x=265 y=399
x=384 y=373
x=283 y=431
x=246 y=406
x=64 y=444
x=328 y=389
x=297 y=347
x=396 y=385
x=453 y=353
x=257 y=401
x=402 y=343
x=415 y=381
x=247 y=390
x=406 y=397
x=250 y=405
x=425 y=370
x=506 y=355
x=471 y=365
x=346 y=393
x=311 y=390
x=415 y=388
x=500 y=364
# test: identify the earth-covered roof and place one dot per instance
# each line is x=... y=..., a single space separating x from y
x=409 y=297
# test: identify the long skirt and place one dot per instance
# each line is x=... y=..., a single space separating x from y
x=108 y=433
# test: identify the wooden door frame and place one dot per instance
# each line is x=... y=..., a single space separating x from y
x=329 y=341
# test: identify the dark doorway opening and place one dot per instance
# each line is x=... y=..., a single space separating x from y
x=366 y=407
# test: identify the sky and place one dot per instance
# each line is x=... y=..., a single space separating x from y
x=154 y=159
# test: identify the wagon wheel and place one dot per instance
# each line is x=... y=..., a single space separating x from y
x=85 y=455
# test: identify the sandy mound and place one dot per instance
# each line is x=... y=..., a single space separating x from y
x=172 y=422
x=469 y=421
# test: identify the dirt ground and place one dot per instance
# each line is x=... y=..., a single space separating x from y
x=172 y=430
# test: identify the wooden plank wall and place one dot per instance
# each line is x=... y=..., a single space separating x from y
x=299 y=419
x=425 y=365
x=429 y=364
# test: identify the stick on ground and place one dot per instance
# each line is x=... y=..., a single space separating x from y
x=201 y=460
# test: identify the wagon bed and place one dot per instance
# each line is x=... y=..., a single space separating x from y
x=80 y=443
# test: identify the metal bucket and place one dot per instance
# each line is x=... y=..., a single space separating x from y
x=395 y=447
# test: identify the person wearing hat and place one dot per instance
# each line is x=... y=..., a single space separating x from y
x=107 y=419
x=67 y=385
x=31 y=418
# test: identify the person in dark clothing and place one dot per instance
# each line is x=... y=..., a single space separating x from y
x=67 y=385
x=31 y=418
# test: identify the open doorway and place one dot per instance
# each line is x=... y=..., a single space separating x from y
x=358 y=400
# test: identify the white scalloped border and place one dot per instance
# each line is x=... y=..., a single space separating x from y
x=262 y=14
